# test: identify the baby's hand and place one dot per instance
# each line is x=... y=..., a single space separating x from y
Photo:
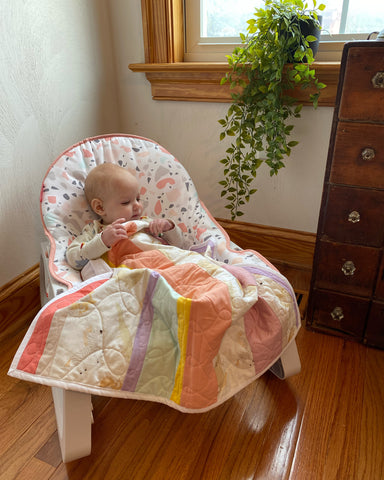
x=160 y=225
x=114 y=233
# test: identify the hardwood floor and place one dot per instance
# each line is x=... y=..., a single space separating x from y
x=325 y=423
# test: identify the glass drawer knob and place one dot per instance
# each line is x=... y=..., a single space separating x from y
x=337 y=314
x=378 y=80
x=348 y=268
x=354 y=217
x=368 y=154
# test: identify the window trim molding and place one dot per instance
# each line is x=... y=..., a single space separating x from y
x=173 y=79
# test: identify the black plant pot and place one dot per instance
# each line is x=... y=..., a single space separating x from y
x=309 y=28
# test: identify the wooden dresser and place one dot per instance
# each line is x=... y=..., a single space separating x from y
x=347 y=287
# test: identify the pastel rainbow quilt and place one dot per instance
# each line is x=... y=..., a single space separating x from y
x=167 y=325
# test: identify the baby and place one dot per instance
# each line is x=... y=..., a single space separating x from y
x=113 y=194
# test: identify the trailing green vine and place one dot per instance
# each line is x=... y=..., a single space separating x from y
x=258 y=118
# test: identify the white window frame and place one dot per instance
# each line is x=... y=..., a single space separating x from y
x=209 y=49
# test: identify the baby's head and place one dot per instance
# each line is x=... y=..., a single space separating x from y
x=113 y=193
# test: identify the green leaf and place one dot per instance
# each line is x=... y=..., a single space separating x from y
x=242 y=83
x=298 y=108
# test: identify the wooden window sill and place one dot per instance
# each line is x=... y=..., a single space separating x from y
x=173 y=79
x=200 y=81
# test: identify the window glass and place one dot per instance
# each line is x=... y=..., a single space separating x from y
x=213 y=26
x=354 y=16
x=219 y=19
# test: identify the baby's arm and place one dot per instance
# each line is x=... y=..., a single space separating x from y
x=114 y=232
x=91 y=244
x=84 y=248
x=172 y=233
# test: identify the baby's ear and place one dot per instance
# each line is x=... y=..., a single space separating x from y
x=97 y=206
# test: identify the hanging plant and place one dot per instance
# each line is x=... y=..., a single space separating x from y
x=258 y=120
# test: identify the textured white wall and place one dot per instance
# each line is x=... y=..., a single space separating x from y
x=57 y=86
x=191 y=132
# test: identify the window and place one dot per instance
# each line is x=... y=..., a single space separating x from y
x=172 y=78
x=213 y=26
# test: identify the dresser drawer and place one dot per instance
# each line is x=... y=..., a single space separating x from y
x=362 y=97
x=379 y=292
x=340 y=313
x=358 y=157
x=354 y=215
x=374 y=333
x=347 y=268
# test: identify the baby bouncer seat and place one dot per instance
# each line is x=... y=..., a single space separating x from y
x=106 y=335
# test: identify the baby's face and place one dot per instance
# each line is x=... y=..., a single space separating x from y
x=123 y=201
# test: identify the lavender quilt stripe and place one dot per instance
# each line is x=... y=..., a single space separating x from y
x=281 y=281
x=142 y=337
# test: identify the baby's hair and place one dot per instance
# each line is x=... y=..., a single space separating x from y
x=100 y=180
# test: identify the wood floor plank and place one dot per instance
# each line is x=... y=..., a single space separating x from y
x=201 y=434
x=346 y=415
x=35 y=469
x=180 y=449
x=218 y=446
x=14 y=458
x=251 y=435
x=278 y=449
x=50 y=452
x=370 y=460
x=23 y=397
x=331 y=421
x=8 y=348
x=118 y=432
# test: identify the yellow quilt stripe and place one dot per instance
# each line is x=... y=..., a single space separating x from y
x=183 y=313
x=110 y=264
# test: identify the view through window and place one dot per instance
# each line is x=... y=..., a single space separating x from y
x=214 y=25
x=219 y=18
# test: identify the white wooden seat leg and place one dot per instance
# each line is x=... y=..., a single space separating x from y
x=74 y=421
x=288 y=364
